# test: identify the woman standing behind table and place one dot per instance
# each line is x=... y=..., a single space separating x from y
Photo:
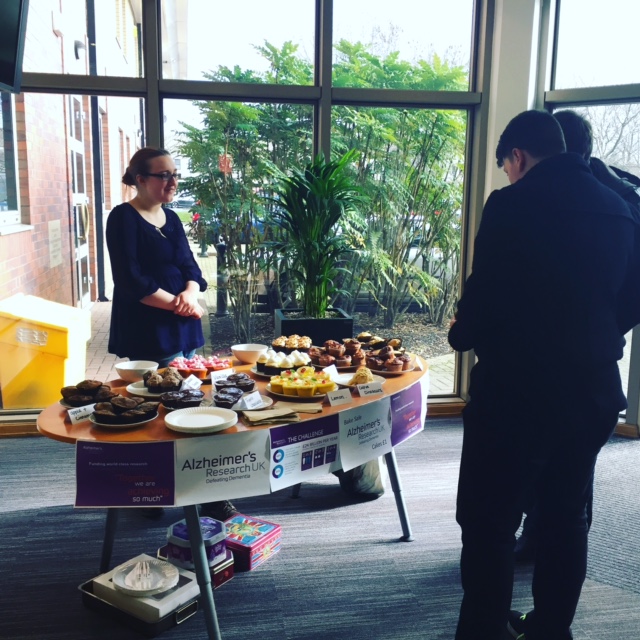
x=155 y=312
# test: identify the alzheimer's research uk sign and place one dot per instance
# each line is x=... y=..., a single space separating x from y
x=222 y=467
x=124 y=474
x=303 y=450
x=365 y=433
x=408 y=412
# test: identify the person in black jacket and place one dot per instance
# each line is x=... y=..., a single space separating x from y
x=541 y=311
x=578 y=137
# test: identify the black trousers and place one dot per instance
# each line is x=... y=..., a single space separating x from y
x=501 y=455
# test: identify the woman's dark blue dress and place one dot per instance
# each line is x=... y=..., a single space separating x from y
x=143 y=260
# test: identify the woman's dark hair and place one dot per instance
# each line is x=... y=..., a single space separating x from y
x=139 y=163
x=578 y=135
x=535 y=131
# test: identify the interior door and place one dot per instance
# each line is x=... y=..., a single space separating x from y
x=81 y=218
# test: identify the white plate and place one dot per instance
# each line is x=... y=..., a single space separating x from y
x=266 y=402
x=201 y=419
x=343 y=378
x=260 y=373
x=162 y=576
x=318 y=396
x=128 y=425
x=138 y=389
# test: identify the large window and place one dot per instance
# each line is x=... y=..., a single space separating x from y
x=9 y=209
x=598 y=43
x=243 y=42
x=236 y=92
x=597 y=50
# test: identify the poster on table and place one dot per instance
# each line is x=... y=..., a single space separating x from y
x=365 y=433
x=303 y=450
x=124 y=474
x=408 y=411
x=222 y=467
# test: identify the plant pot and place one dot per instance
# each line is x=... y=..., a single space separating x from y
x=318 y=329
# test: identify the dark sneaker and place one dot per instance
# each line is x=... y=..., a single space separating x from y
x=221 y=510
x=517 y=624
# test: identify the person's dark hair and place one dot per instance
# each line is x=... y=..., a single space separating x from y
x=139 y=163
x=578 y=135
x=537 y=132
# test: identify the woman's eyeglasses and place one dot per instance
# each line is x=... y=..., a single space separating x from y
x=165 y=176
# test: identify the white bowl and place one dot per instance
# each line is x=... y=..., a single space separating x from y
x=248 y=353
x=134 y=370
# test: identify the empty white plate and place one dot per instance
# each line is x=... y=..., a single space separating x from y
x=201 y=419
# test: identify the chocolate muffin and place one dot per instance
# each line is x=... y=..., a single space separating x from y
x=121 y=404
x=131 y=416
x=104 y=393
x=89 y=385
x=106 y=416
x=246 y=385
x=79 y=400
x=67 y=392
x=149 y=409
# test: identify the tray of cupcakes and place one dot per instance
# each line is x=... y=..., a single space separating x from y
x=302 y=383
x=289 y=344
x=272 y=362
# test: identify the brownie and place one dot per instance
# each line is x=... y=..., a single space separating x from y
x=224 y=400
x=246 y=385
x=238 y=377
x=182 y=399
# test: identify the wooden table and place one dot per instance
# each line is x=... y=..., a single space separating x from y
x=53 y=423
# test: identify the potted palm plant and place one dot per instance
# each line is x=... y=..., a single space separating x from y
x=308 y=205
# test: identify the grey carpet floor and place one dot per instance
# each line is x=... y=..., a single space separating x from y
x=341 y=574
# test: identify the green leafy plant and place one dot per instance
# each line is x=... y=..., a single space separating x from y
x=308 y=205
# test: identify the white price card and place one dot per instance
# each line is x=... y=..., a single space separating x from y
x=191 y=383
x=251 y=401
x=331 y=371
x=339 y=396
x=221 y=374
x=370 y=389
x=78 y=414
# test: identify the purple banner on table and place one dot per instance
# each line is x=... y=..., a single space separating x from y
x=131 y=474
x=303 y=450
x=407 y=413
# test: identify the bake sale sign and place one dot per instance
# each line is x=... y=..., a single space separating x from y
x=365 y=433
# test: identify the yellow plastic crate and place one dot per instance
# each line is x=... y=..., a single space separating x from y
x=43 y=347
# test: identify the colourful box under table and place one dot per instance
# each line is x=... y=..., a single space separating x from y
x=220 y=572
x=179 y=545
x=252 y=540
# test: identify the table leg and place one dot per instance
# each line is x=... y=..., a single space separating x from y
x=396 y=485
x=202 y=571
x=111 y=524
